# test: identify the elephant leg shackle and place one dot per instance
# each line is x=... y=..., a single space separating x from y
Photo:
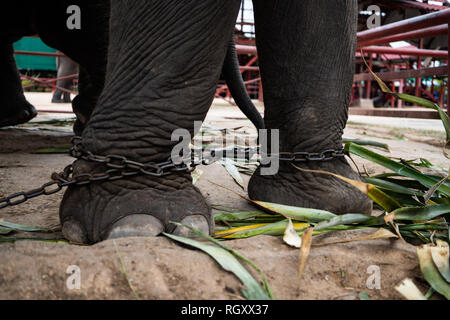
x=169 y=55
x=306 y=54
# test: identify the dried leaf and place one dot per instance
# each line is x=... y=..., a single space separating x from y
x=304 y=252
x=379 y=234
x=431 y=273
x=440 y=255
x=408 y=289
x=291 y=237
x=196 y=174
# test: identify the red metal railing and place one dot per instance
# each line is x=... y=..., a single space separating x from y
x=45 y=82
x=429 y=25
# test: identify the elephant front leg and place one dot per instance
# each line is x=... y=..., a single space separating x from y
x=14 y=108
x=306 y=51
x=164 y=61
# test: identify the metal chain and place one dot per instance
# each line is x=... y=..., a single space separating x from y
x=119 y=167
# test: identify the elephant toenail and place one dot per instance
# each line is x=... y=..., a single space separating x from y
x=136 y=225
x=74 y=232
x=197 y=222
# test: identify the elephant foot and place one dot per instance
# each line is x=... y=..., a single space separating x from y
x=63 y=97
x=139 y=206
x=293 y=187
x=18 y=114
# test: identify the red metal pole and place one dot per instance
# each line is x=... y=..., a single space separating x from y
x=407 y=51
x=42 y=54
x=241 y=49
x=423 y=21
x=260 y=91
x=400 y=90
x=419 y=62
x=427 y=32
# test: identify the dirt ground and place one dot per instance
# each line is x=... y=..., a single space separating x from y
x=161 y=269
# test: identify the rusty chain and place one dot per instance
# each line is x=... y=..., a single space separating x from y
x=119 y=167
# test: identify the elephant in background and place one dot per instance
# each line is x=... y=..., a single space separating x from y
x=65 y=67
x=168 y=56
x=48 y=19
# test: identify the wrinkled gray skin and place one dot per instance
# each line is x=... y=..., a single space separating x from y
x=65 y=67
x=168 y=56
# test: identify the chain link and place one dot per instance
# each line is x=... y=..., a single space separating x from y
x=119 y=167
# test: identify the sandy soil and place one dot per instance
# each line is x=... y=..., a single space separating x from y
x=161 y=269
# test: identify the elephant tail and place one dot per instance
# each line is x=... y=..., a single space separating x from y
x=233 y=78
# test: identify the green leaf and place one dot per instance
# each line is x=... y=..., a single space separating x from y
x=440 y=255
x=234 y=252
x=233 y=171
x=396 y=167
x=228 y=262
x=416 y=100
x=243 y=215
x=19 y=227
x=271 y=229
x=421 y=213
x=14 y=239
x=349 y=218
x=4 y=231
x=390 y=186
x=364 y=296
x=431 y=273
x=428 y=104
x=367 y=143
x=296 y=213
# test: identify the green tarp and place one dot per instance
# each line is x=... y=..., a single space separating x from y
x=34 y=62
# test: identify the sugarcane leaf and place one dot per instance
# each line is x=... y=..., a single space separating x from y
x=379 y=234
x=5 y=231
x=391 y=186
x=364 y=296
x=428 y=104
x=381 y=198
x=407 y=183
x=14 y=239
x=384 y=200
x=433 y=189
x=419 y=213
x=346 y=219
x=223 y=208
x=236 y=216
x=296 y=213
x=424 y=226
x=271 y=229
x=396 y=167
x=196 y=174
x=440 y=255
x=241 y=229
x=367 y=143
x=304 y=252
x=291 y=237
x=233 y=171
x=19 y=227
x=416 y=100
x=229 y=263
x=409 y=290
x=431 y=273
x=234 y=252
